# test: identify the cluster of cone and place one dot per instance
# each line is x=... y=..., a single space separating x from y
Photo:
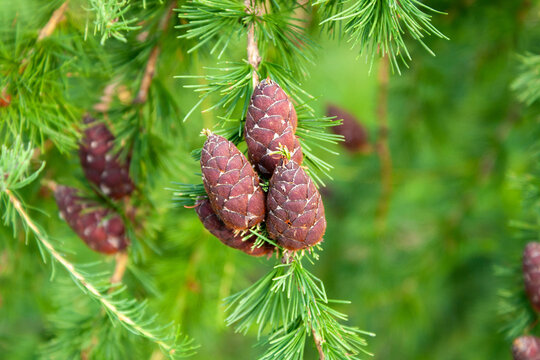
x=292 y=209
x=528 y=347
x=100 y=228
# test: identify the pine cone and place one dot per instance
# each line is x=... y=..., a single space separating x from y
x=531 y=273
x=231 y=184
x=526 y=348
x=101 y=229
x=356 y=136
x=295 y=210
x=100 y=166
x=270 y=121
x=217 y=228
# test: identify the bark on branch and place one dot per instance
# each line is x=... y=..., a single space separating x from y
x=253 y=55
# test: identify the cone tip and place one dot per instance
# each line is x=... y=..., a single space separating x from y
x=206 y=132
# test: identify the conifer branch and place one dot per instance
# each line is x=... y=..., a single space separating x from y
x=169 y=346
x=14 y=166
x=382 y=146
x=110 y=19
x=378 y=27
x=288 y=304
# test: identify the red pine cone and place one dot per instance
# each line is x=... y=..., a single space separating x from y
x=295 y=210
x=100 y=166
x=356 y=136
x=217 y=228
x=231 y=184
x=270 y=121
x=531 y=273
x=101 y=229
x=526 y=348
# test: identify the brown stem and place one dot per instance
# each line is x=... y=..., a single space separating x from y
x=253 y=55
x=383 y=150
x=149 y=72
x=150 y=69
x=56 y=16
x=318 y=344
x=120 y=267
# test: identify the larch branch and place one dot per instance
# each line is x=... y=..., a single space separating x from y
x=122 y=316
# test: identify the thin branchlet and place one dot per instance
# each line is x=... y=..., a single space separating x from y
x=168 y=344
x=378 y=27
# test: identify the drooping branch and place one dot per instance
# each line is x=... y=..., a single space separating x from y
x=382 y=147
x=121 y=315
x=253 y=55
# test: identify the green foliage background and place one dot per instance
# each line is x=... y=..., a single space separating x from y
x=425 y=284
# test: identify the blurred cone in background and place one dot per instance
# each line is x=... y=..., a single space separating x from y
x=531 y=273
x=101 y=166
x=100 y=228
x=526 y=348
x=355 y=134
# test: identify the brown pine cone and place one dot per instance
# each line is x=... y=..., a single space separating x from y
x=101 y=229
x=217 y=228
x=355 y=135
x=531 y=273
x=231 y=184
x=526 y=348
x=295 y=211
x=270 y=121
x=100 y=166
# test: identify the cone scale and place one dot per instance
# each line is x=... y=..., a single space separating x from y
x=216 y=227
x=295 y=211
x=270 y=123
x=231 y=184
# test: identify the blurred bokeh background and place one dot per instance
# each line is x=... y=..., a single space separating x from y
x=421 y=276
